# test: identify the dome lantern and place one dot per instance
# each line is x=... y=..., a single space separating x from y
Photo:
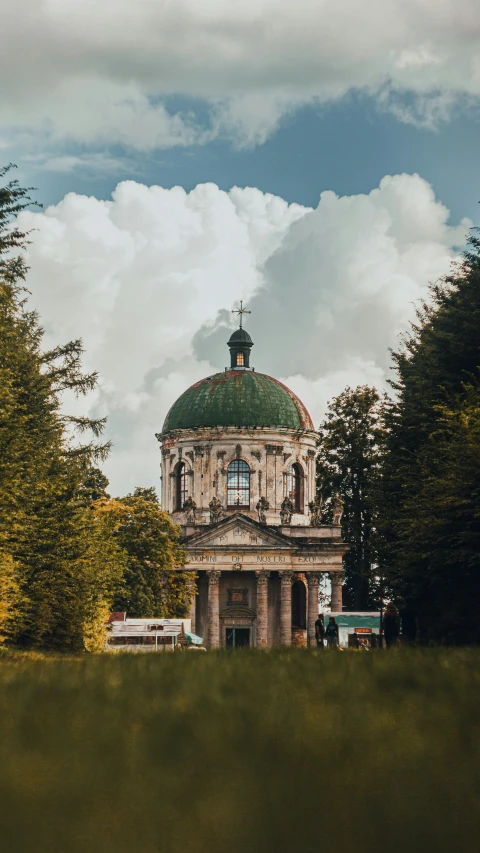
x=240 y=343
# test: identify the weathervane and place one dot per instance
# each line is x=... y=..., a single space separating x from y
x=241 y=311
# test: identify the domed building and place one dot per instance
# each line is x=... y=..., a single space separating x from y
x=238 y=475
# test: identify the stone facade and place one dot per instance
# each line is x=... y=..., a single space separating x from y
x=207 y=453
x=251 y=576
x=257 y=552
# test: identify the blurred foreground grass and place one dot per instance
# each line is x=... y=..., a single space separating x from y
x=246 y=752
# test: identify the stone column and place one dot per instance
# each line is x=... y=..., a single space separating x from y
x=286 y=608
x=193 y=604
x=262 y=607
x=313 y=580
x=213 y=609
x=336 y=579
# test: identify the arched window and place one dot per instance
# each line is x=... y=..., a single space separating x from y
x=238 y=484
x=294 y=487
x=240 y=359
x=181 y=483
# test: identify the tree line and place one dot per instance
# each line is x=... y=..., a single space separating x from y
x=69 y=553
x=406 y=464
x=408 y=467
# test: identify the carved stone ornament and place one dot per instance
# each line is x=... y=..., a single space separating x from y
x=238 y=451
x=262 y=576
x=316 y=511
x=337 y=511
x=213 y=576
x=261 y=508
x=216 y=511
x=221 y=454
x=286 y=511
x=274 y=449
x=189 y=453
x=190 y=508
x=257 y=455
x=237 y=596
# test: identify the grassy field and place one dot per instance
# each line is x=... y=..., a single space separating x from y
x=246 y=752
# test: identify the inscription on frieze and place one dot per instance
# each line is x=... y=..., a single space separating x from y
x=205 y=558
x=271 y=558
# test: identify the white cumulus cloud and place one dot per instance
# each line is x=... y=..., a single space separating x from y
x=148 y=280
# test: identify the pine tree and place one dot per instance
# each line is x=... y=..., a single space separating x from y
x=431 y=502
x=49 y=567
x=349 y=460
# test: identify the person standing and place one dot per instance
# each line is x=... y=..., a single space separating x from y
x=391 y=625
x=409 y=617
x=332 y=633
x=319 y=632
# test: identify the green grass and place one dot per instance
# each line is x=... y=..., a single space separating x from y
x=242 y=753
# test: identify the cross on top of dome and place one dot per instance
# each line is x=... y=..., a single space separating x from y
x=240 y=344
x=241 y=311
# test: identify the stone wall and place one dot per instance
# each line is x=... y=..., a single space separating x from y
x=269 y=454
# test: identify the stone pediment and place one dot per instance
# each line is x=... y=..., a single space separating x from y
x=238 y=531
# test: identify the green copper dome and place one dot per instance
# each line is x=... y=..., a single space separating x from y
x=238 y=398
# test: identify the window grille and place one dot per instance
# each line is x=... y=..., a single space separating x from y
x=238 y=484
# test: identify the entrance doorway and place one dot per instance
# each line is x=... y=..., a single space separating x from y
x=237 y=637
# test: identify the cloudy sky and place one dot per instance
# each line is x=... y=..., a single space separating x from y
x=317 y=159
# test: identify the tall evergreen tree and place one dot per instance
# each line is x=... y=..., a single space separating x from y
x=351 y=445
x=51 y=573
x=431 y=502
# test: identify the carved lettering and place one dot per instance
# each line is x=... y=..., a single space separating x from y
x=271 y=558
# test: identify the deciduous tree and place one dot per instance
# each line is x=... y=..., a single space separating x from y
x=349 y=460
